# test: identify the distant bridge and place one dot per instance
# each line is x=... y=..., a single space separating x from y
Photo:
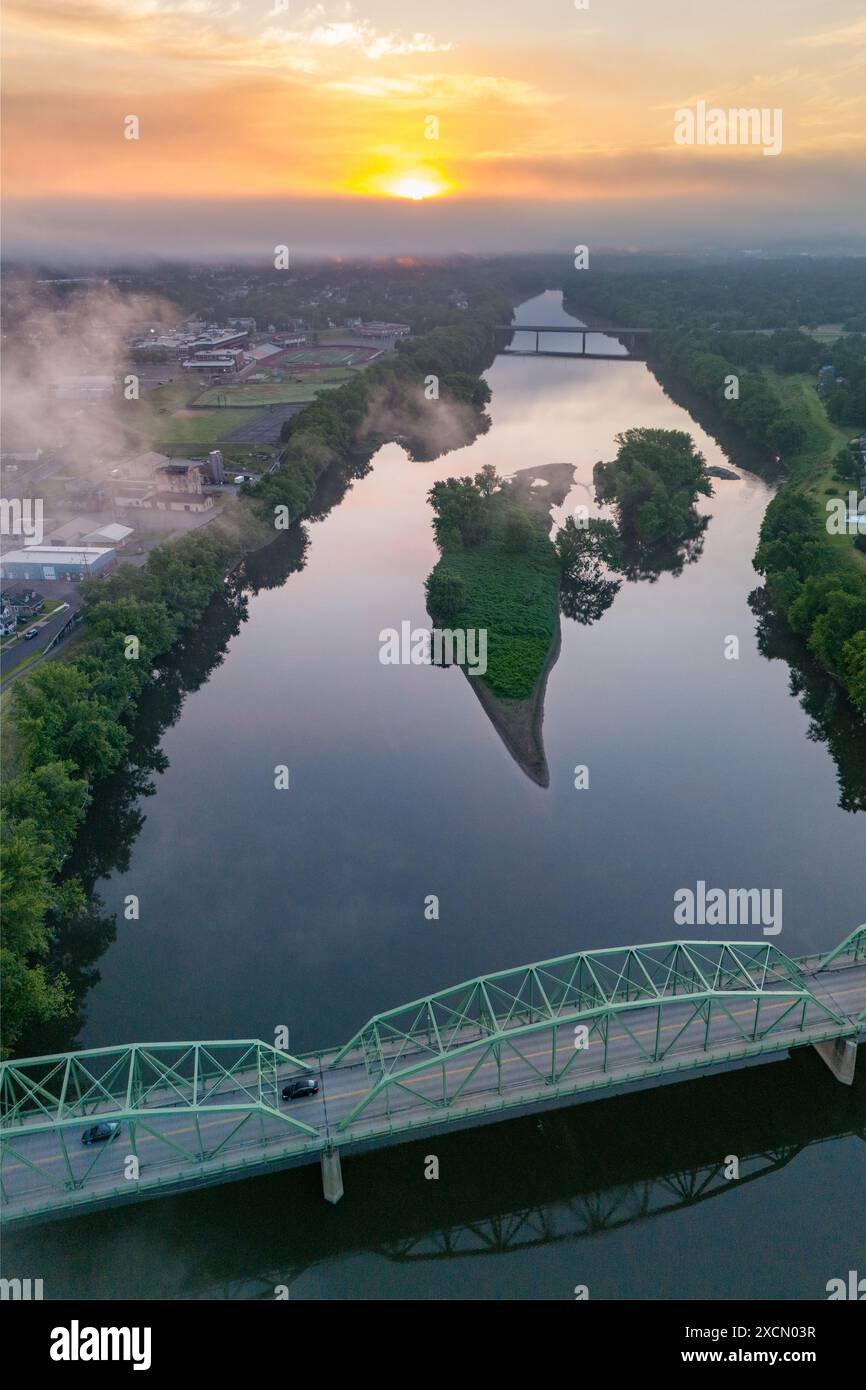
x=631 y=339
x=196 y=1113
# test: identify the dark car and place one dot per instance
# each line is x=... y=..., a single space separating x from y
x=97 y=1134
x=296 y=1090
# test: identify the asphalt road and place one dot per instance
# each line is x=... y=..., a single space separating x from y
x=10 y=657
x=37 y=1166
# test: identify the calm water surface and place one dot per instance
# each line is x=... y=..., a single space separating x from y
x=306 y=907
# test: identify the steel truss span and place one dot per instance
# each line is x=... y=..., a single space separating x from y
x=194 y=1113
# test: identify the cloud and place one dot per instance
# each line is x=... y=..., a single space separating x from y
x=266 y=98
x=832 y=38
x=354 y=36
x=217 y=29
x=460 y=88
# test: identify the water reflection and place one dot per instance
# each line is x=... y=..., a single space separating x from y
x=565 y=1182
x=309 y=910
x=833 y=720
x=117 y=815
x=351 y=702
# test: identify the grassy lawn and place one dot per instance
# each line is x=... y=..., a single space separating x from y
x=275 y=392
x=812 y=469
x=160 y=420
x=201 y=429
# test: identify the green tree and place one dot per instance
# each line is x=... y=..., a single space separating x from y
x=654 y=481
x=842 y=619
x=786 y=436
x=459 y=507
x=847 y=464
x=27 y=894
x=488 y=480
x=151 y=623
x=446 y=594
x=53 y=798
x=62 y=718
x=854 y=668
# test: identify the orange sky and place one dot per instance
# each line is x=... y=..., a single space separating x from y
x=269 y=99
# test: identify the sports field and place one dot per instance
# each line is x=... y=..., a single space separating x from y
x=332 y=355
x=288 y=392
x=162 y=420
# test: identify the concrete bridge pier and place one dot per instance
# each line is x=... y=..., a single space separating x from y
x=840 y=1054
x=332 y=1176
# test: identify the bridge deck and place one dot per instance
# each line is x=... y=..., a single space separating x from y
x=596 y=344
x=563 y=352
x=46 y=1168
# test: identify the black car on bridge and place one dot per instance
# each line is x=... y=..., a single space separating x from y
x=297 y=1090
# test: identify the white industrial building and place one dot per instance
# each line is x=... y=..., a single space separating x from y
x=56 y=562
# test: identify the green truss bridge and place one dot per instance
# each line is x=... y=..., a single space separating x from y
x=195 y=1113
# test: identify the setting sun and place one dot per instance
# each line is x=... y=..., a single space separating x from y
x=415 y=188
x=398 y=178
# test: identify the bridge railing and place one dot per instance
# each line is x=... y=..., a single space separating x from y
x=143 y=1079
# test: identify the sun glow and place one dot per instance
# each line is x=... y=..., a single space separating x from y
x=398 y=178
x=415 y=187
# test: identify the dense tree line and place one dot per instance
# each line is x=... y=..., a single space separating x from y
x=789 y=293
x=743 y=396
x=846 y=398
x=74 y=716
x=809 y=583
x=810 y=579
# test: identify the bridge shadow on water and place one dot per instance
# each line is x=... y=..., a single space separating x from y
x=553 y=1178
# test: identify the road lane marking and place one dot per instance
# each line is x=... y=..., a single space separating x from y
x=434 y=1061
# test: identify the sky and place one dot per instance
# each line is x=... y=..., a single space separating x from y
x=388 y=125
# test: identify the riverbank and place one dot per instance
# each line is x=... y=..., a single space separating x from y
x=815 y=580
x=72 y=719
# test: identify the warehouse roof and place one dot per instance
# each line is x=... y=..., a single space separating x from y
x=114 y=532
x=55 y=555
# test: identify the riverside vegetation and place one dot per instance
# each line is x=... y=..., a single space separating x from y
x=711 y=331
x=71 y=718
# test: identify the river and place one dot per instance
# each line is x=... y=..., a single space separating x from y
x=306 y=907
